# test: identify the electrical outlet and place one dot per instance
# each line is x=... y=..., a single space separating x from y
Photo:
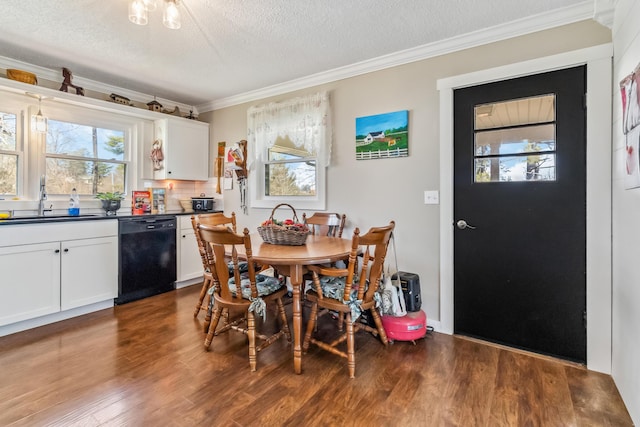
x=431 y=197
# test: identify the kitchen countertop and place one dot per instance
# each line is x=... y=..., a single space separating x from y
x=87 y=217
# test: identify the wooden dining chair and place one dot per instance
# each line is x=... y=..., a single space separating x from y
x=249 y=293
x=325 y=223
x=349 y=292
x=217 y=218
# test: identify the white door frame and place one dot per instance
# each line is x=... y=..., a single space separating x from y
x=598 y=60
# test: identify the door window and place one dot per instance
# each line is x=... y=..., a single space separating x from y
x=515 y=140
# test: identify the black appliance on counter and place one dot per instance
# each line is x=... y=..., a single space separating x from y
x=202 y=204
x=147 y=257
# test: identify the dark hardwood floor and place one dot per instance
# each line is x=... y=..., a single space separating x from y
x=143 y=364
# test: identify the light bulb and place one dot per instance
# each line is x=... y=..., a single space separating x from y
x=171 y=15
x=138 y=12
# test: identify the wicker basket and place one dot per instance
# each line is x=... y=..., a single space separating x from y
x=282 y=234
x=22 y=76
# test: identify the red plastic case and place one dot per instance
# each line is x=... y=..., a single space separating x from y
x=411 y=327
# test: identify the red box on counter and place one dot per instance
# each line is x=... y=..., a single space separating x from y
x=140 y=202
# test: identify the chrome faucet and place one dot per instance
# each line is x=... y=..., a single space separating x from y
x=42 y=197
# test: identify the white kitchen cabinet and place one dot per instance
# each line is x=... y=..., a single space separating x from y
x=52 y=267
x=89 y=271
x=185 y=147
x=30 y=285
x=189 y=260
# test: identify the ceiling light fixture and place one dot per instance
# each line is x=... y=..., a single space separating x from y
x=39 y=123
x=138 y=12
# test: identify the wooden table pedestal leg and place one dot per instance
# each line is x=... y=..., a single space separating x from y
x=296 y=283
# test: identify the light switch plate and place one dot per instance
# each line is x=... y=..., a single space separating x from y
x=431 y=197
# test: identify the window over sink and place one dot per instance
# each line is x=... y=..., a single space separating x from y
x=84 y=148
x=88 y=158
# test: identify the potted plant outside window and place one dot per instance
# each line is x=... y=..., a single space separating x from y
x=110 y=201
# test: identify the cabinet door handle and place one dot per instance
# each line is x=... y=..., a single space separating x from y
x=66 y=249
x=57 y=251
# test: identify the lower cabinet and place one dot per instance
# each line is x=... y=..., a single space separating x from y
x=189 y=260
x=89 y=271
x=48 y=277
x=31 y=281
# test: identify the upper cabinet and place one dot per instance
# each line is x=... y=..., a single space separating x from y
x=180 y=149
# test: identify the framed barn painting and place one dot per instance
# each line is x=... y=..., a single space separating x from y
x=382 y=136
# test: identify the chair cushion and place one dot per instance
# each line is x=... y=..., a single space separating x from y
x=333 y=287
x=266 y=285
x=243 y=267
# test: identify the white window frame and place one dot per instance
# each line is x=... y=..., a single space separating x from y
x=94 y=118
x=10 y=104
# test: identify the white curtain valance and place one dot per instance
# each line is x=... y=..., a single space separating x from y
x=306 y=121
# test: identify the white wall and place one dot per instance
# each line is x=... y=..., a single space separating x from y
x=626 y=224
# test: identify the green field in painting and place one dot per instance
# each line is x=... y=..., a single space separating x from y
x=402 y=141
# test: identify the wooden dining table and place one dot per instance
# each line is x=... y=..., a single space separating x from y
x=291 y=261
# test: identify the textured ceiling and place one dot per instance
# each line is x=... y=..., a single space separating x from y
x=230 y=47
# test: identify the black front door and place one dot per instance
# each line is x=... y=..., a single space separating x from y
x=520 y=213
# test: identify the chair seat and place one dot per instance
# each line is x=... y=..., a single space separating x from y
x=333 y=287
x=266 y=285
x=337 y=305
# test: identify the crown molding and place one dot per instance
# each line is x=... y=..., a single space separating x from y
x=603 y=12
x=555 y=18
x=92 y=85
x=54 y=95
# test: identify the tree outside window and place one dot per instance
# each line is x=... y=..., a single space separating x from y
x=290 y=170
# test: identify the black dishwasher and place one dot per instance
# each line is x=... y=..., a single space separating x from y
x=147 y=257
